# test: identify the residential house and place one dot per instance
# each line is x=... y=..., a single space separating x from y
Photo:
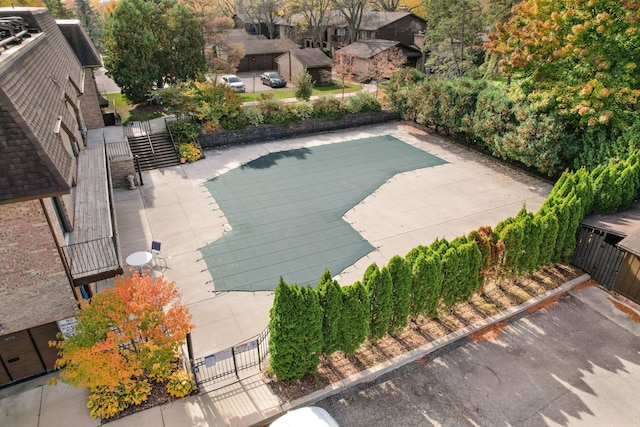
x=56 y=212
x=313 y=60
x=260 y=53
x=370 y=56
x=398 y=26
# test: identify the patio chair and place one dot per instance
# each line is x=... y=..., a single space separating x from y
x=156 y=253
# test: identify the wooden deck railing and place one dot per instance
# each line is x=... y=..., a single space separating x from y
x=92 y=260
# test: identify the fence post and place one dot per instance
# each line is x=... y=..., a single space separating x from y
x=235 y=365
x=136 y=159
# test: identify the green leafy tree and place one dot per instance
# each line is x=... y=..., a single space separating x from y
x=581 y=54
x=513 y=237
x=452 y=36
x=295 y=341
x=127 y=336
x=379 y=287
x=304 y=85
x=355 y=317
x=58 y=10
x=149 y=45
x=451 y=281
x=330 y=298
x=91 y=20
x=400 y=273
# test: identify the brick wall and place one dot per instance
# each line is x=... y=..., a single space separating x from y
x=120 y=169
x=263 y=133
x=34 y=288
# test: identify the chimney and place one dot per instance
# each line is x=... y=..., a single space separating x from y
x=403 y=8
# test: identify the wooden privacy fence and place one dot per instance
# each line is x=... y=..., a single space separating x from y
x=596 y=256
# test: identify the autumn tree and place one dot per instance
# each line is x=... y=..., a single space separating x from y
x=343 y=66
x=126 y=337
x=452 y=36
x=581 y=55
x=311 y=18
x=263 y=12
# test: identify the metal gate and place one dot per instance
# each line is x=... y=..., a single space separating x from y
x=602 y=260
x=228 y=364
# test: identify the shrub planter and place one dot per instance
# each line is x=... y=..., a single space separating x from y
x=261 y=133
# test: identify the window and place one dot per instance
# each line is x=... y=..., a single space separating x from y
x=63 y=220
x=341 y=32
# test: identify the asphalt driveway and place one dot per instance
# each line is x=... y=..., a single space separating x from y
x=574 y=364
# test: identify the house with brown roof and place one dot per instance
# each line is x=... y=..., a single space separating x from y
x=260 y=53
x=398 y=26
x=313 y=60
x=368 y=56
x=56 y=207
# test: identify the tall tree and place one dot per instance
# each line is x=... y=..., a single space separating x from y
x=330 y=297
x=452 y=36
x=263 y=12
x=352 y=11
x=386 y=5
x=311 y=18
x=582 y=55
x=91 y=20
x=378 y=284
x=355 y=317
x=401 y=292
x=59 y=10
x=140 y=39
x=295 y=342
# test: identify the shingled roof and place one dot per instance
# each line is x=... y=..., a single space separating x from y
x=39 y=88
x=268 y=46
x=312 y=58
x=365 y=49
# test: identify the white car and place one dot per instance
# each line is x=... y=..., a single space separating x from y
x=310 y=416
x=233 y=81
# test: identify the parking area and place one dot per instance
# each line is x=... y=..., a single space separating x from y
x=253 y=84
x=573 y=364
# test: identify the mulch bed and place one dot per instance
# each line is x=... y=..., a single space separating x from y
x=495 y=297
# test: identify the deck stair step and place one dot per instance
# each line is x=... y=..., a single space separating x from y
x=154 y=150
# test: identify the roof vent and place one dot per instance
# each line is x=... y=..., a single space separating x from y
x=12 y=31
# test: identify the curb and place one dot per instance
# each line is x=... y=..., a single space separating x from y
x=374 y=372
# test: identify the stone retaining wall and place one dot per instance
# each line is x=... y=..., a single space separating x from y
x=261 y=133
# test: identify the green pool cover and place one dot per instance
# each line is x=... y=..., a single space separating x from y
x=286 y=209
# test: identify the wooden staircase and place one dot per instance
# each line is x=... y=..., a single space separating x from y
x=153 y=148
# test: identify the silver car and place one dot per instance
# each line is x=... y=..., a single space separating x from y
x=233 y=81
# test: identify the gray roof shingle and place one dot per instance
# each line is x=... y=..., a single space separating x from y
x=365 y=49
x=312 y=58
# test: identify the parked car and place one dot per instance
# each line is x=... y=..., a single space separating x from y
x=273 y=79
x=310 y=416
x=233 y=81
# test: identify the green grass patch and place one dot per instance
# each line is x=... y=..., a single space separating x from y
x=133 y=113
x=332 y=89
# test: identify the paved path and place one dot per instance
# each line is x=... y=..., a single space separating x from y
x=574 y=364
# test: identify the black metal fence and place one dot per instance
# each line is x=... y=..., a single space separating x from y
x=91 y=258
x=229 y=363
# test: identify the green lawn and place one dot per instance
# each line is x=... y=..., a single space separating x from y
x=332 y=89
x=133 y=113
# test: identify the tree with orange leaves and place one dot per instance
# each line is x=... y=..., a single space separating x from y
x=126 y=337
x=581 y=55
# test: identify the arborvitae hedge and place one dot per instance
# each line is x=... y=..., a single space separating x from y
x=330 y=298
x=451 y=280
x=355 y=317
x=295 y=343
x=378 y=284
x=400 y=273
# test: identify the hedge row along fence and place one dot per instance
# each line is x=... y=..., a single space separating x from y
x=485 y=115
x=307 y=323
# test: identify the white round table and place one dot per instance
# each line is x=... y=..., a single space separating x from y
x=139 y=259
